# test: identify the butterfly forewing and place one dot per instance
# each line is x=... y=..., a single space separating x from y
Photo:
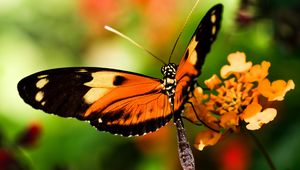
x=111 y=100
x=58 y=91
x=191 y=63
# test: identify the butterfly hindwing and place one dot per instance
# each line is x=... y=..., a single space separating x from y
x=116 y=101
x=135 y=115
x=191 y=63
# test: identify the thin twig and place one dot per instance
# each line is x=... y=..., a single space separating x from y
x=184 y=150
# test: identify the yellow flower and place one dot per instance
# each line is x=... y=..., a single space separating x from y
x=199 y=93
x=238 y=64
x=258 y=72
x=255 y=118
x=213 y=82
x=202 y=113
x=206 y=138
x=240 y=98
x=256 y=121
x=276 y=90
x=229 y=120
x=251 y=110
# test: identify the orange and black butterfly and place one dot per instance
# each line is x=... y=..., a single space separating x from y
x=122 y=102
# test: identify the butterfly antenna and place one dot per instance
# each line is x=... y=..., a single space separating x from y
x=132 y=41
x=187 y=19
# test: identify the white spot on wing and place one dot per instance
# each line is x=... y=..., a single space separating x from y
x=94 y=94
x=42 y=76
x=41 y=83
x=213 y=30
x=100 y=120
x=102 y=79
x=39 y=96
x=82 y=70
x=213 y=12
x=43 y=103
x=213 y=18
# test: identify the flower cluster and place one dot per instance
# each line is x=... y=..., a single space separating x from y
x=244 y=96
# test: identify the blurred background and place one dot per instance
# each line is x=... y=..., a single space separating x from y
x=37 y=35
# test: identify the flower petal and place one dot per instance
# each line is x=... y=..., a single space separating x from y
x=205 y=138
x=237 y=63
x=258 y=72
x=251 y=110
x=212 y=82
x=275 y=91
x=198 y=92
x=255 y=122
x=229 y=119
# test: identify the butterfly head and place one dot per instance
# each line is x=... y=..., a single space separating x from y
x=169 y=71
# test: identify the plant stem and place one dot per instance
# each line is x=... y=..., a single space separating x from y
x=184 y=150
x=262 y=150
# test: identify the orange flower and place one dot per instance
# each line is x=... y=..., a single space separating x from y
x=276 y=90
x=229 y=120
x=236 y=99
x=251 y=110
x=213 y=82
x=202 y=111
x=258 y=72
x=257 y=120
x=238 y=64
x=206 y=138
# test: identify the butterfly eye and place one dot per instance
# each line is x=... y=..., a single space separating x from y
x=163 y=69
x=174 y=65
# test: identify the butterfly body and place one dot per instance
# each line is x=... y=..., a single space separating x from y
x=169 y=80
x=122 y=102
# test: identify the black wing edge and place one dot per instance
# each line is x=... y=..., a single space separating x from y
x=139 y=129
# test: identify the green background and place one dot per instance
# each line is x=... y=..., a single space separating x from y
x=39 y=35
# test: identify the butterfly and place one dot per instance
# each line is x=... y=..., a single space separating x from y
x=122 y=102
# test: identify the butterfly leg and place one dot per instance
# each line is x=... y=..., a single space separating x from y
x=202 y=122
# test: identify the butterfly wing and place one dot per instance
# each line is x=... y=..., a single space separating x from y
x=115 y=101
x=190 y=65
